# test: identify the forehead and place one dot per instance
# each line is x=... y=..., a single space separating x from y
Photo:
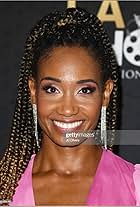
x=69 y=63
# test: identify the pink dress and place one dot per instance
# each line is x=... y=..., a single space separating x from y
x=136 y=177
x=113 y=184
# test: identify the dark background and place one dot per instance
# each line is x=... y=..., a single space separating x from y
x=16 y=20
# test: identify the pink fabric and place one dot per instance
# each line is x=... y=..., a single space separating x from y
x=24 y=192
x=136 y=176
x=112 y=185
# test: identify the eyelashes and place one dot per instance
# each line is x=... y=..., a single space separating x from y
x=87 y=90
x=50 y=89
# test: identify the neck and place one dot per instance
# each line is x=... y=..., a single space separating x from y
x=68 y=160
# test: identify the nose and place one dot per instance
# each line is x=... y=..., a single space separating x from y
x=68 y=107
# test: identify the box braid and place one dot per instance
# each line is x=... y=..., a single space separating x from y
x=73 y=27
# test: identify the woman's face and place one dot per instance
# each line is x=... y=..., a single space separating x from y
x=68 y=93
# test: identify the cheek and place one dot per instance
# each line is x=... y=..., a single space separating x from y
x=93 y=110
x=45 y=105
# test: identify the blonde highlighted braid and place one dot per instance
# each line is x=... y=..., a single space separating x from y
x=72 y=27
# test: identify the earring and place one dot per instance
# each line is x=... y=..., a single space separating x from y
x=35 y=122
x=103 y=127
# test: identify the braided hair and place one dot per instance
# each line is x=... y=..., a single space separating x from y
x=72 y=27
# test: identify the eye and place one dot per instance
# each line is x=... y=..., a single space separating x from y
x=50 y=89
x=87 y=90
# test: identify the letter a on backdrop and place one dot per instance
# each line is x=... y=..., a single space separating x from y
x=71 y=4
x=115 y=16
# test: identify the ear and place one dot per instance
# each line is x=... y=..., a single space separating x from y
x=32 y=88
x=108 y=87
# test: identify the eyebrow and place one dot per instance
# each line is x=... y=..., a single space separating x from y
x=51 y=78
x=78 y=82
x=86 y=80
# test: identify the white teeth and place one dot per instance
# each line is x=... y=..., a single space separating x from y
x=68 y=125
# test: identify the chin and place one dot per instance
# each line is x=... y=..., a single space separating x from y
x=68 y=142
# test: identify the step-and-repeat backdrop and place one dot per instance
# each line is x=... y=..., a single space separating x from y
x=122 y=21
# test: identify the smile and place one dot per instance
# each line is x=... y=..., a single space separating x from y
x=65 y=125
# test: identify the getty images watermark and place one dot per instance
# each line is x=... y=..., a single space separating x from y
x=77 y=137
x=119 y=137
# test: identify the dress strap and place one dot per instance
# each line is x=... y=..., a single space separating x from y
x=136 y=177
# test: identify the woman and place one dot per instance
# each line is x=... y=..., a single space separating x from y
x=69 y=76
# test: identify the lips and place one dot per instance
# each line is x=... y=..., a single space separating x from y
x=68 y=125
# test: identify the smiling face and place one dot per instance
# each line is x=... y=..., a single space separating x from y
x=68 y=93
